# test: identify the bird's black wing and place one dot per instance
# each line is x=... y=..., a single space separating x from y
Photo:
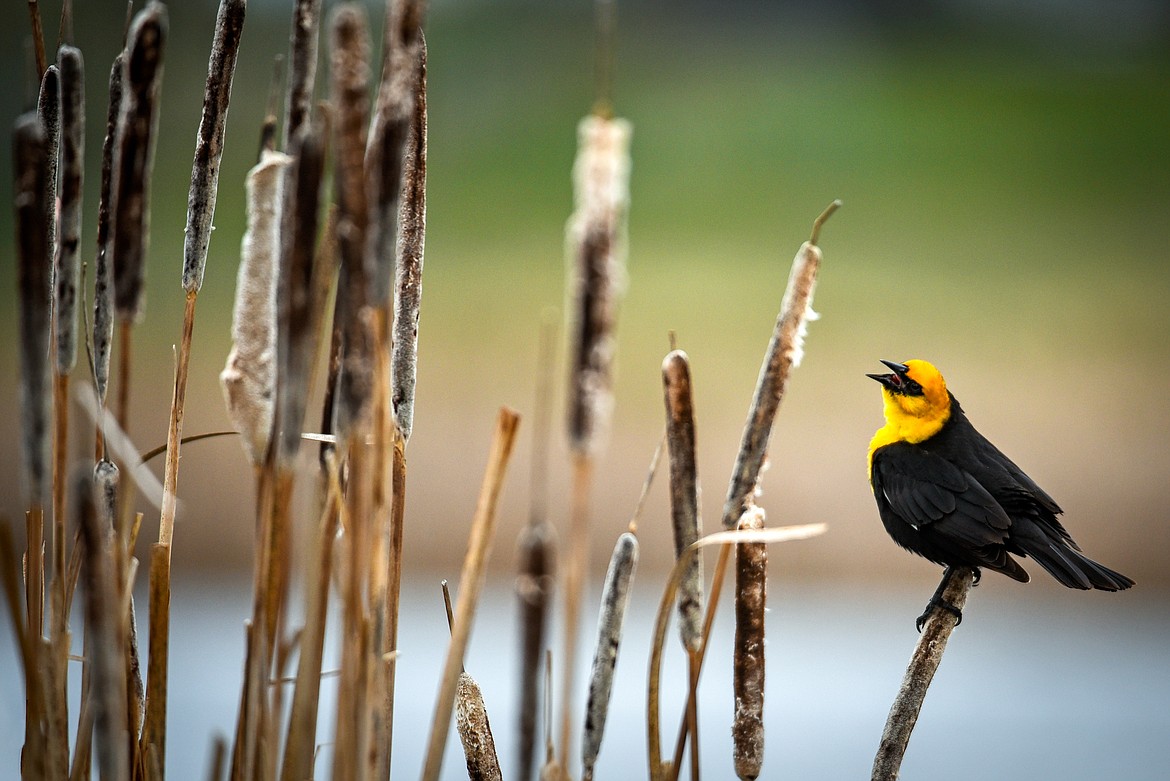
x=934 y=508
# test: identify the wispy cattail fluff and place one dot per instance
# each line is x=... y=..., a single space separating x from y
x=68 y=266
x=134 y=158
x=249 y=377
x=751 y=590
x=103 y=269
x=229 y=23
x=596 y=249
x=615 y=596
x=29 y=165
x=684 y=491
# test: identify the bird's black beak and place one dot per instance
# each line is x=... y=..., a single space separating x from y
x=896 y=381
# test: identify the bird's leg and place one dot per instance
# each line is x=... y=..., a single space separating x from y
x=936 y=600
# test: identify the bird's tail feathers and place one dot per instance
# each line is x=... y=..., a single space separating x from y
x=1075 y=570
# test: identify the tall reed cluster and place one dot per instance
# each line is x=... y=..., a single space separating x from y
x=360 y=247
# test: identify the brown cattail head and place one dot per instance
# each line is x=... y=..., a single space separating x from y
x=68 y=264
x=349 y=56
x=49 y=111
x=103 y=268
x=751 y=589
x=250 y=375
x=475 y=732
x=534 y=591
x=684 y=491
x=29 y=165
x=615 y=596
x=299 y=278
x=412 y=230
x=302 y=67
x=134 y=158
x=225 y=44
x=595 y=238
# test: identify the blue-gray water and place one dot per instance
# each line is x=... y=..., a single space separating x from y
x=1038 y=683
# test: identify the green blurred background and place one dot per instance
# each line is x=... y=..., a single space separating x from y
x=1005 y=169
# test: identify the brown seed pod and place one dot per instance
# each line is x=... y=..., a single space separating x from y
x=103 y=268
x=475 y=731
x=68 y=264
x=751 y=590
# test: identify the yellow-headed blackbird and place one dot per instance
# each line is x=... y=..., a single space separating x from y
x=947 y=494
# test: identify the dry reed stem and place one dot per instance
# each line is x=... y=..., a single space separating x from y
x=298 y=300
x=471 y=583
x=103 y=274
x=249 y=378
x=119 y=445
x=166 y=528
x=924 y=663
x=615 y=597
x=684 y=489
x=302 y=724
x=134 y=158
x=784 y=352
x=475 y=731
x=751 y=594
x=38 y=36
x=408 y=267
x=103 y=621
x=659 y=770
x=302 y=68
x=221 y=68
x=33 y=752
x=154 y=723
x=576 y=564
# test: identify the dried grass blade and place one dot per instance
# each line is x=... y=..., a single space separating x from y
x=221 y=68
x=471 y=583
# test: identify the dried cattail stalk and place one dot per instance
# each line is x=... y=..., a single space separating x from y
x=615 y=596
x=596 y=250
x=684 y=491
x=923 y=664
x=299 y=279
x=249 y=377
x=225 y=44
x=68 y=265
x=33 y=268
x=349 y=52
x=104 y=623
x=49 y=111
x=534 y=586
x=412 y=228
x=475 y=732
x=471 y=578
x=784 y=352
x=103 y=274
x=134 y=158
x=302 y=67
x=751 y=592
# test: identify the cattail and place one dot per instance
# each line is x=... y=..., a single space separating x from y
x=534 y=586
x=68 y=265
x=103 y=273
x=103 y=623
x=297 y=305
x=49 y=111
x=302 y=67
x=684 y=491
x=412 y=229
x=390 y=128
x=349 y=53
x=221 y=67
x=475 y=732
x=596 y=250
x=134 y=158
x=615 y=596
x=785 y=350
x=33 y=266
x=751 y=590
x=249 y=377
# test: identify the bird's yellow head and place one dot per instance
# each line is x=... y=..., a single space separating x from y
x=916 y=400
